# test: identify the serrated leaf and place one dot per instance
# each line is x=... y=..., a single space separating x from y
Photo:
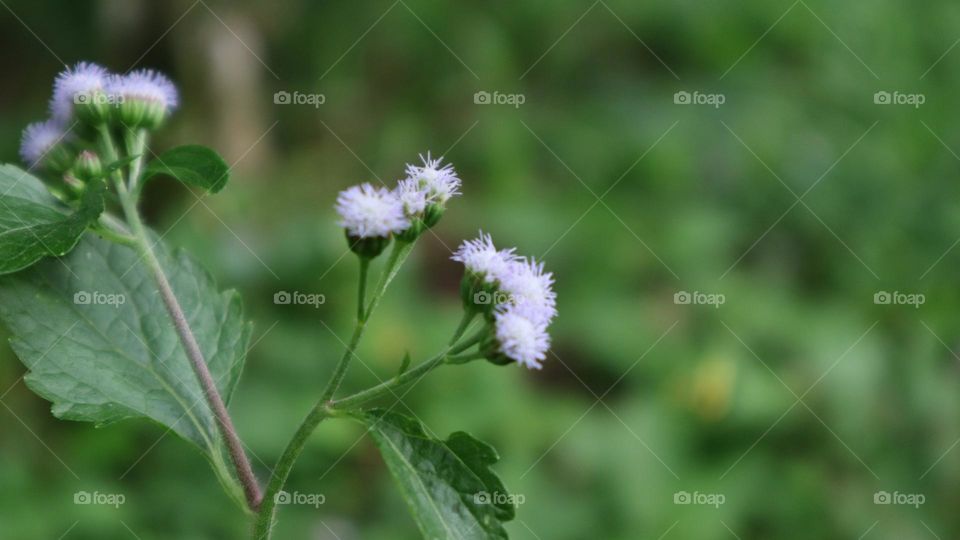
x=98 y=343
x=34 y=224
x=448 y=485
x=192 y=164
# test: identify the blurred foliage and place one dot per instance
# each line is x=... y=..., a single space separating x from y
x=797 y=399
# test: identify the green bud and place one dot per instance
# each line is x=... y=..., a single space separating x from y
x=75 y=186
x=136 y=112
x=88 y=166
x=413 y=232
x=59 y=158
x=432 y=214
x=368 y=248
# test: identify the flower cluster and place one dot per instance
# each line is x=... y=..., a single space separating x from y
x=89 y=94
x=514 y=293
x=371 y=216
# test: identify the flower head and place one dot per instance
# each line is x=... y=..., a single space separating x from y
x=413 y=197
x=521 y=336
x=82 y=84
x=145 y=97
x=438 y=183
x=39 y=138
x=481 y=258
x=526 y=284
x=367 y=212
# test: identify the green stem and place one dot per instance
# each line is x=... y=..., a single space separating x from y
x=114 y=230
x=362 y=289
x=407 y=377
x=397 y=256
x=109 y=151
x=112 y=235
x=136 y=143
x=446 y=357
x=264 y=523
x=390 y=384
x=468 y=316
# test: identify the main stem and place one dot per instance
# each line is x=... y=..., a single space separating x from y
x=264 y=524
x=245 y=474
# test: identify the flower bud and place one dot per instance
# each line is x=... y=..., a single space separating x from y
x=412 y=232
x=144 y=98
x=370 y=217
x=432 y=214
x=44 y=144
x=88 y=166
x=81 y=92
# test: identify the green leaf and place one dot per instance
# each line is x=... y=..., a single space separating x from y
x=34 y=224
x=98 y=343
x=192 y=164
x=404 y=364
x=448 y=485
x=119 y=164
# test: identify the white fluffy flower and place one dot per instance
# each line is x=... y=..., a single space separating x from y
x=526 y=284
x=521 y=337
x=412 y=196
x=38 y=139
x=366 y=211
x=83 y=79
x=439 y=183
x=145 y=85
x=482 y=258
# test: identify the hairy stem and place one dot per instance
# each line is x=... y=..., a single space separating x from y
x=263 y=527
x=245 y=474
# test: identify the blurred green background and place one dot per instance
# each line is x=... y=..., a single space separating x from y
x=798 y=400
